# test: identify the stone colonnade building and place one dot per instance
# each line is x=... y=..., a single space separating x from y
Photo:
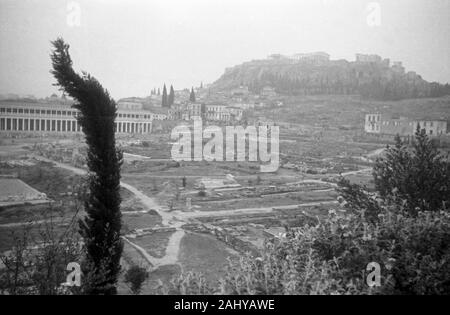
x=31 y=117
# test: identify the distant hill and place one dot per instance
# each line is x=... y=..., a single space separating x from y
x=375 y=79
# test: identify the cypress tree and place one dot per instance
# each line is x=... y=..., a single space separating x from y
x=100 y=229
x=171 y=96
x=164 y=97
x=192 y=96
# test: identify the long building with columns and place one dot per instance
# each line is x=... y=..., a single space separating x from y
x=35 y=117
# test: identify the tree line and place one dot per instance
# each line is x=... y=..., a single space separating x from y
x=167 y=100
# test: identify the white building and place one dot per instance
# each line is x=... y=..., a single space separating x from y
x=127 y=105
x=61 y=118
x=315 y=57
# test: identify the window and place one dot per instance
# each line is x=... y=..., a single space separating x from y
x=2 y=110
x=14 y=110
x=20 y=111
x=48 y=112
x=431 y=124
x=26 y=111
x=58 y=113
x=431 y=132
x=8 y=110
x=31 y=111
x=53 y=112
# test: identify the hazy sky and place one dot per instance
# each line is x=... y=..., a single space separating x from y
x=133 y=46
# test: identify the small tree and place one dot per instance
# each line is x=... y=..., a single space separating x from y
x=101 y=228
x=192 y=96
x=164 y=102
x=135 y=278
x=417 y=175
x=171 y=99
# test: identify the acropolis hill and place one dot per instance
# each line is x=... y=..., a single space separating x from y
x=370 y=76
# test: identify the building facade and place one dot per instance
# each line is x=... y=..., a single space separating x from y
x=209 y=112
x=314 y=58
x=61 y=118
x=403 y=126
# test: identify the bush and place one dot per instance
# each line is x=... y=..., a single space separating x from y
x=416 y=176
x=331 y=258
x=202 y=192
x=135 y=278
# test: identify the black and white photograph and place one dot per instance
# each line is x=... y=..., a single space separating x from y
x=224 y=155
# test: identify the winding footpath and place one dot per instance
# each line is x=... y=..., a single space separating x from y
x=169 y=219
x=176 y=219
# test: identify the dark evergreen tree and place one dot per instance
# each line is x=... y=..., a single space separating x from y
x=418 y=176
x=159 y=92
x=100 y=229
x=164 y=101
x=171 y=99
x=192 y=96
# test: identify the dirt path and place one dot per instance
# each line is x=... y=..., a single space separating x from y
x=177 y=218
x=246 y=211
x=364 y=170
x=28 y=223
x=168 y=219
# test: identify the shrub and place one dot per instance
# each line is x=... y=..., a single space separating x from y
x=331 y=258
x=416 y=176
x=135 y=278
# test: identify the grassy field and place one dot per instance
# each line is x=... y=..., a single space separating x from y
x=155 y=244
x=205 y=254
x=267 y=201
x=139 y=221
x=349 y=111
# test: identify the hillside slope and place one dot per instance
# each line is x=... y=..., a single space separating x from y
x=370 y=80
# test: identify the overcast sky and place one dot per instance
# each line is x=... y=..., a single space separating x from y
x=133 y=46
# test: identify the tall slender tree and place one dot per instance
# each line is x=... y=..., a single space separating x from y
x=164 y=97
x=171 y=96
x=192 y=95
x=100 y=229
